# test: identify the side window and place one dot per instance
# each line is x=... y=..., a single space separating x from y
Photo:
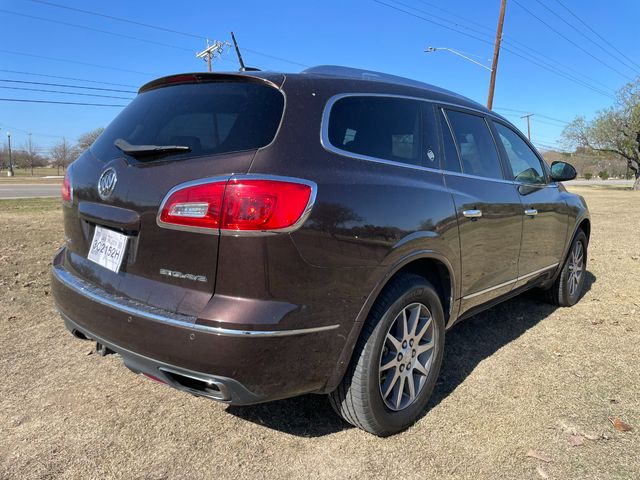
x=525 y=164
x=381 y=127
x=475 y=144
x=451 y=158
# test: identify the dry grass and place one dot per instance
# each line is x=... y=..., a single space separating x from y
x=521 y=376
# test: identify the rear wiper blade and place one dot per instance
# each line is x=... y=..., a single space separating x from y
x=140 y=150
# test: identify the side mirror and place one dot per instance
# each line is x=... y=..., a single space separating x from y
x=562 y=172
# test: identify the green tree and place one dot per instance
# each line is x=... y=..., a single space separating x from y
x=588 y=176
x=614 y=130
x=604 y=175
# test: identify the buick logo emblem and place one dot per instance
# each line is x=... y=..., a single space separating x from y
x=107 y=183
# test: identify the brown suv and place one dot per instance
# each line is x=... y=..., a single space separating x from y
x=254 y=236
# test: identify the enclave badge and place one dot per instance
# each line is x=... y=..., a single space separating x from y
x=107 y=183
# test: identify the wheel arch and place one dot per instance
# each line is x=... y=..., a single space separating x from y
x=585 y=226
x=430 y=265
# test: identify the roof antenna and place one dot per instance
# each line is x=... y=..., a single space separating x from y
x=243 y=68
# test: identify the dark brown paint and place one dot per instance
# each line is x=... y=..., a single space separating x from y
x=326 y=273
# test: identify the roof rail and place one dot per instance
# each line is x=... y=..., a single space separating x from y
x=371 y=75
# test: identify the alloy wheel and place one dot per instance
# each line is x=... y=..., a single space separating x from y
x=406 y=356
x=576 y=266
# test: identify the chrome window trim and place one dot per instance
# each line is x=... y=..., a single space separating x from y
x=245 y=233
x=327 y=145
x=509 y=282
x=173 y=319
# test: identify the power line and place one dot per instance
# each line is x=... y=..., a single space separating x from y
x=64 y=60
x=157 y=27
x=456 y=15
x=596 y=33
x=23 y=100
x=431 y=21
x=529 y=59
x=66 y=78
x=64 y=93
x=66 y=85
x=573 y=27
x=12 y=128
x=119 y=19
x=528 y=111
x=523 y=48
x=107 y=32
x=571 y=41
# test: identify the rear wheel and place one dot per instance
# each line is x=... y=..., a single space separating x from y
x=396 y=361
x=567 y=289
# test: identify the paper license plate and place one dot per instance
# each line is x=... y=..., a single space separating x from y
x=108 y=248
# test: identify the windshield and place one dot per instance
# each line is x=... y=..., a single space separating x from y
x=209 y=118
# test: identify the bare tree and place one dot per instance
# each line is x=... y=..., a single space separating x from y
x=614 y=130
x=86 y=139
x=62 y=154
x=30 y=153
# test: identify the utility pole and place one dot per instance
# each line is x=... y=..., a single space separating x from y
x=211 y=51
x=528 y=117
x=496 y=54
x=10 y=170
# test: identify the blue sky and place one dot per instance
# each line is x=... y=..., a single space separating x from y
x=358 y=33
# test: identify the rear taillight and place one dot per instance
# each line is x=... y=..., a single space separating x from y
x=67 y=193
x=239 y=205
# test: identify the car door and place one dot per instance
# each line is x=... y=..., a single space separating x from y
x=544 y=211
x=487 y=206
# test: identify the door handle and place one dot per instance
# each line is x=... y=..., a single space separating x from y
x=472 y=213
x=530 y=212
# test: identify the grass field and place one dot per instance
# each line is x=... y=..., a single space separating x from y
x=22 y=175
x=521 y=380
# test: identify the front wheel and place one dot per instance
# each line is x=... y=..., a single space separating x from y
x=567 y=289
x=396 y=361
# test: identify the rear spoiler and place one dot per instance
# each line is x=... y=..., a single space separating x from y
x=273 y=80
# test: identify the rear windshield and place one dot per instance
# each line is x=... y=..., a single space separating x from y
x=209 y=118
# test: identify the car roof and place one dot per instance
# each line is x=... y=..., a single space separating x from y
x=390 y=84
x=336 y=72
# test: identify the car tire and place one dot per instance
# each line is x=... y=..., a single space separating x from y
x=405 y=329
x=567 y=289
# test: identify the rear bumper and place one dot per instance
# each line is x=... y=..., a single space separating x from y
x=231 y=365
x=219 y=388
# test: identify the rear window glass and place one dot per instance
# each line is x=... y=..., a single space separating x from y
x=380 y=127
x=209 y=118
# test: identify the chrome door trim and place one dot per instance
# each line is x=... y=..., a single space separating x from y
x=101 y=297
x=542 y=270
x=505 y=284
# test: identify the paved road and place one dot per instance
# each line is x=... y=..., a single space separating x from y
x=33 y=190
x=29 y=190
